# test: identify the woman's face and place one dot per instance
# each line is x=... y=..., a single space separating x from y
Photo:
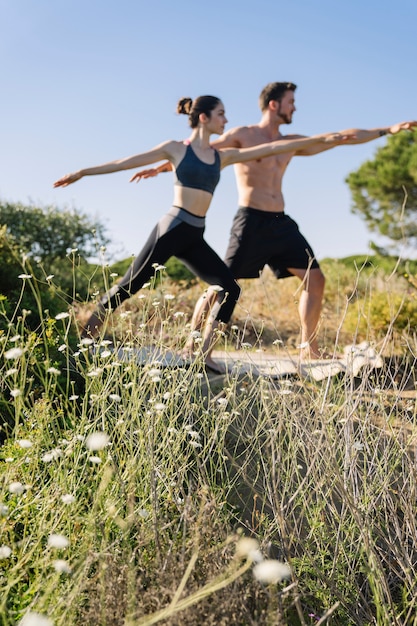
x=217 y=120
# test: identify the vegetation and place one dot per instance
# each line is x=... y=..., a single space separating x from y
x=384 y=189
x=127 y=489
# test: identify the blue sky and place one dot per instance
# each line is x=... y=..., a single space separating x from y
x=88 y=81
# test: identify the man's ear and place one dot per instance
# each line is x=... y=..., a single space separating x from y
x=273 y=105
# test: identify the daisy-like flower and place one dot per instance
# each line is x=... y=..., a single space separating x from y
x=86 y=341
x=114 y=397
x=271 y=571
x=62 y=347
x=14 y=353
x=67 y=498
x=16 y=487
x=60 y=542
x=35 y=619
x=248 y=548
x=51 y=455
x=159 y=406
x=53 y=370
x=4 y=509
x=15 y=393
x=97 y=441
x=24 y=443
x=73 y=397
x=62 y=316
x=61 y=566
x=5 y=552
x=95 y=460
x=25 y=276
x=195 y=444
x=169 y=296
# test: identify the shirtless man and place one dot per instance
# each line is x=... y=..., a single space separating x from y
x=262 y=234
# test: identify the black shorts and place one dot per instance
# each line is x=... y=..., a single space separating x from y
x=260 y=238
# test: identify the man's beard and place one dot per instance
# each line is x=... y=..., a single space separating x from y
x=286 y=119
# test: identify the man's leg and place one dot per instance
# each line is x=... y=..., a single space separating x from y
x=309 y=309
x=200 y=316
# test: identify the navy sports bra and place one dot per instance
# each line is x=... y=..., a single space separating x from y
x=194 y=173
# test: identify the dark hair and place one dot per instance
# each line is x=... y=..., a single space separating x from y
x=274 y=91
x=193 y=108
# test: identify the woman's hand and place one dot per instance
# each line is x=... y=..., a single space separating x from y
x=149 y=173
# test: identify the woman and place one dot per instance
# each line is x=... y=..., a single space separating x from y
x=180 y=232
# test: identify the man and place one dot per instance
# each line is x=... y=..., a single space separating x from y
x=262 y=234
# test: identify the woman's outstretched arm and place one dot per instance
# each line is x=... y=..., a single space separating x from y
x=239 y=155
x=166 y=150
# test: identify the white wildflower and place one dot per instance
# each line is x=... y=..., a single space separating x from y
x=73 y=397
x=97 y=441
x=62 y=347
x=51 y=455
x=86 y=341
x=169 y=296
x=14 y=353
x=143 y=513
x=105 y=354
x=25 y=276
x=16 y=488
x=50 y=276
x=246 y=346
x=4 y=509
x=303 y=345
x=179 y=314
x=248 y=547
x=95 y=460
x=15 y=393
x=114 y=397
x=11 y=371
x=195 y=444
x=53 y=370
x=24 y=443
x=271 y=571
x=35 y=619
x=357 y=445
x=5 y=552
x=61 y=566
x=14 y=338
x=60 y=542
x=67 y=498
x=62 y=316
x=159 y=406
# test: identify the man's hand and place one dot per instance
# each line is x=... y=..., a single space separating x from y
x=68 y=179
x=402 y=126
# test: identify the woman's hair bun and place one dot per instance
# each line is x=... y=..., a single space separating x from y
x=184 y=106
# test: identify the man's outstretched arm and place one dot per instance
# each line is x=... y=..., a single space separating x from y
x=359 y=136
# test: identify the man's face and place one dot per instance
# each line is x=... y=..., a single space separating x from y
x=286 y=107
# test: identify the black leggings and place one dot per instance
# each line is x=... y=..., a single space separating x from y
x=179 y=234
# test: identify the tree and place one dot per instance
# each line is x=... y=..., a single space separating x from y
x=49 y=233
x=384 y=189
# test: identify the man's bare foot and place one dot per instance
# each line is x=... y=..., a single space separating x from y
x=308 y=354
x=213 y=366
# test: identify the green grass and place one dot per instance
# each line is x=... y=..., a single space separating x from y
x=322 y=475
